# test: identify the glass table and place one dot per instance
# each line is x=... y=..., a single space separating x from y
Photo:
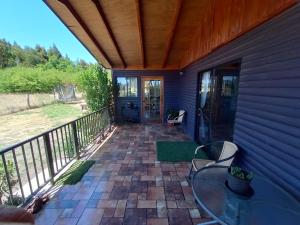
x=268 y=205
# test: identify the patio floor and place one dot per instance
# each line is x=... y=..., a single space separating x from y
x=127 y=185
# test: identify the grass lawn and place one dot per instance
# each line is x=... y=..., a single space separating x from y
x=59 y=111
x=19 y=126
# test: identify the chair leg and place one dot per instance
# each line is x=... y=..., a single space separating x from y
x=191 y=171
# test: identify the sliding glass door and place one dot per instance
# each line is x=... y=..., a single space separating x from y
x=203 y=112
x=216 y=103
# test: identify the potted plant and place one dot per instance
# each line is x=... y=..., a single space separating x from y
x=239 y=180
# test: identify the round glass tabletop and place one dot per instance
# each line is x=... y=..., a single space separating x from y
x=269 y=203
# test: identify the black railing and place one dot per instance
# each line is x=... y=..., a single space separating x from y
x=26 y=167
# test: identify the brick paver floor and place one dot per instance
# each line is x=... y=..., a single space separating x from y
x=127 y=185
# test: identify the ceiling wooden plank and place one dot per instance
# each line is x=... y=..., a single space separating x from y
x=225 y=28
x=86 y=29
x=139 y=15
x=163 y=34
x=111 y=35
x=172 y=32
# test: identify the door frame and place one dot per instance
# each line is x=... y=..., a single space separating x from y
x=213 y=71
x=145 y=78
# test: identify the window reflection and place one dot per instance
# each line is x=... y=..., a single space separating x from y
x=127 y=86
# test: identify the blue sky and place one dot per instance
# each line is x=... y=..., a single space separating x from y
x=31 y=22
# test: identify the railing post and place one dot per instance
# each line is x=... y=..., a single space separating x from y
x=76 y=143
x=49 y=156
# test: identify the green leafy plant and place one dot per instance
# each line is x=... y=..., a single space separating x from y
x=16 y=200
x=97 y=87
x=36 y=70
x=4 y=188
x=240 y=173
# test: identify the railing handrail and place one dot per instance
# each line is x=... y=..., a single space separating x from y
x=31 y=164
x=9 y=148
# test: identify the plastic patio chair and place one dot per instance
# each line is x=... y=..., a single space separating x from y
x=223 y=156
x=176 y=120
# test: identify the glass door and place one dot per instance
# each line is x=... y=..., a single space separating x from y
x=152 y=99
x=216 y=103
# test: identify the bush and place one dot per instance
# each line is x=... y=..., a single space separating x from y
x=4 y=188
x=33 y=80
x=97 y=87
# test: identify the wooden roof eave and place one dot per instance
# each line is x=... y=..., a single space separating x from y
x=106 y=65
x=71 y=9
x=109 y=31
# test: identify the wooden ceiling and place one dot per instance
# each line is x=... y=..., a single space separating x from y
x=160 y=34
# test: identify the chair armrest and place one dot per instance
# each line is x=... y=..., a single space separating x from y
x=176 y=118
x=213 y=142
x=180 y=115
x=230 y=157
x=202 y=146
x=198 y=148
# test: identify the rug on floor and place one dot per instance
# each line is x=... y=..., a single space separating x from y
x=75 y=172
x=177 y=151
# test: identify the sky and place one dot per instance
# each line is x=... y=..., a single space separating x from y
x=31 y=22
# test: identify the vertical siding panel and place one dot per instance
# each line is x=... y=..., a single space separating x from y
x=268 y=112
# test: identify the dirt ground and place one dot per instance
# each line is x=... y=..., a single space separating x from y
x=19 y=126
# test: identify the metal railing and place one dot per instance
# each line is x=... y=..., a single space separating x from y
x=26 y=167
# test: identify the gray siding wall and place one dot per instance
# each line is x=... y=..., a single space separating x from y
x=171 y=88
x=267 y=126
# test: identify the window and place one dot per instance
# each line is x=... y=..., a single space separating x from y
x=127 y=86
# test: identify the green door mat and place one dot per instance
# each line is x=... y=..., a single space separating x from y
x=178 y=151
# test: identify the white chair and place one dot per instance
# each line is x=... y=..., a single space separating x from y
x=223 y=156
x=177 y=120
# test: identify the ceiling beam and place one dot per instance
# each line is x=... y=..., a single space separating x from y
x=172 y=32
x=139 y=15
x=108 y=29
x=67 y=4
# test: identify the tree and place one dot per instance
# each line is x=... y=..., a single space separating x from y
x=30 y=80
x=96 y=86
x=18 y=53
x=82 y=63
x=42 y=53
x=31 y=57
x=53 y=51
x=6 y=56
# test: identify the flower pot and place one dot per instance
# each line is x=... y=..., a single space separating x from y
x=237 y=185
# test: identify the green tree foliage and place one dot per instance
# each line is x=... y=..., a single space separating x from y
x=42 y=53
x=35 y=70
x=6 y=56
x=28 y=80
x=14 y=55
x=53 y=51
x=97 y=87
